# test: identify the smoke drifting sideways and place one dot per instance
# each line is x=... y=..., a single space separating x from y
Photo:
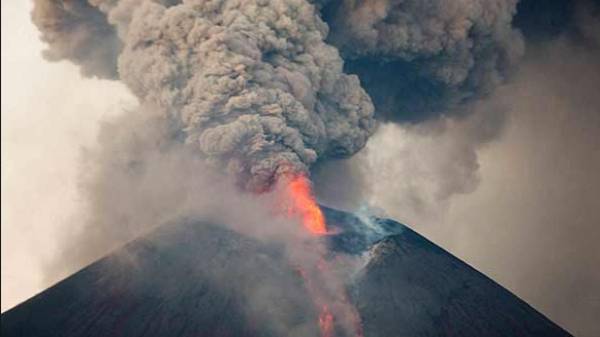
x=259 y=88
x=431 y=155
x=527 y=213
x=420 y=59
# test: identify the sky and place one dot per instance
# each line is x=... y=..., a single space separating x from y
x=531 y=222
x=49 y=112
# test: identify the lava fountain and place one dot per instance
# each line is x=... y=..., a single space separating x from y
x=303 y=204
x=336 y=313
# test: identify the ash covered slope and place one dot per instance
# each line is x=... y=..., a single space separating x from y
x=200 y=280
x=412 y=287
x=191 y=279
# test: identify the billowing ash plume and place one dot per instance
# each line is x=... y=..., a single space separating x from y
x=255 y=87
x=79 y=32
x=251 y=85
x=418 y=59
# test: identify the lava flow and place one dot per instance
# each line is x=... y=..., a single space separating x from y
x=327 y=292
x=304 y=205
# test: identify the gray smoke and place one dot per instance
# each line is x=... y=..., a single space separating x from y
x=139 y=177
x=427 y=65
x=253 y=88
x=78 y=32
x=418 y=59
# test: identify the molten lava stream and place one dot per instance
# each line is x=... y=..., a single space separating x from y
x=326 y=322
x=304 y=206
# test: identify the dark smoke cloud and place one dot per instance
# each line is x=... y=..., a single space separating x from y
x=78 y=32
x=437 y=158
x=532 y=222
x=253 y=88
x=256 y=90
x=418 y=59
x=544 y=20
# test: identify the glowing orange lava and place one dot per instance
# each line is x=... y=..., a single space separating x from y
x=304 y=204
x=326 y=322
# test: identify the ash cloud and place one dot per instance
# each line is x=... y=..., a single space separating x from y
x=422 y=59
x=429 y=67
x=79 y=32
x=253 y=87
x=432 y=156
x=261 y=88
x=532 y=222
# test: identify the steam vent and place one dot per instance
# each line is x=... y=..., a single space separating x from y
x=199 y=279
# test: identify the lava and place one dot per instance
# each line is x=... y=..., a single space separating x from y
x=304 y=205
x=326 y=322
x=332 y=301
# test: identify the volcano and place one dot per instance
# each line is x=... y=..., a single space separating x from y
x=200 y=279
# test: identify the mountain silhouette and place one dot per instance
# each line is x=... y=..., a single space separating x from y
x=199 y=279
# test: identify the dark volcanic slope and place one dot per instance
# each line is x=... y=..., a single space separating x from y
x=199 y=280
x=411 y=287
x=188 y=280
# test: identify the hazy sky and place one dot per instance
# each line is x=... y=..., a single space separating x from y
x=532 y=224
x=48 y=113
